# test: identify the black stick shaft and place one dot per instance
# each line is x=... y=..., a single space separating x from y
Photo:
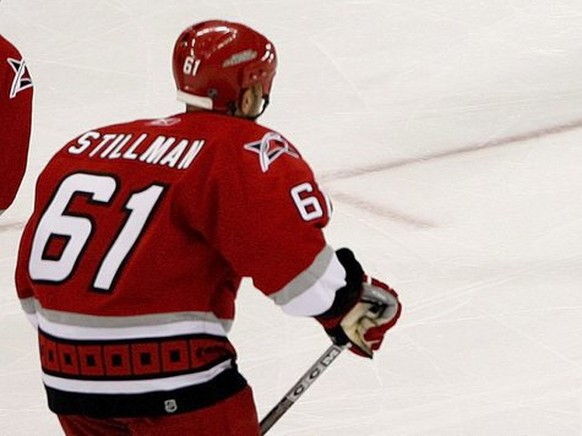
x=301 y=386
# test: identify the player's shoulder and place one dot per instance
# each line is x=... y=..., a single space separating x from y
x=7 y=48
x=10 y=57
x=229 y=140
x=138 y=124
x=241 y=131
x=150 y=126
x=207 y=123
x=260 y=150
x=217 y=122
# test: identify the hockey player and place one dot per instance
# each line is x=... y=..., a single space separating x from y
x=15 y=121
x=141 y=232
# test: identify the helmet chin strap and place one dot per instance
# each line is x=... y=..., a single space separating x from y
x=231 y=108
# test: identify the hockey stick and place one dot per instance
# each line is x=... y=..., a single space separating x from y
x=301 y=386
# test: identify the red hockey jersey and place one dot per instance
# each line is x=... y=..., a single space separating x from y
x=15 y=120
x=139 y=238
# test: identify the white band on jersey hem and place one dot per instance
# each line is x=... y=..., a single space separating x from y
x=33 y=319
x=134 y=386
x=195 y=100
x=162 y=330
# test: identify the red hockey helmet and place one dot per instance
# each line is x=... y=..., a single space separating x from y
x=214 y=61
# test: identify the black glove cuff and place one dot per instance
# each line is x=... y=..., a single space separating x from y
x=347 y=296
x=338 y=335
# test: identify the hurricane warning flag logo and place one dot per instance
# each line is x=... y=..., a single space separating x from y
x=271 y=147
x=21 y=79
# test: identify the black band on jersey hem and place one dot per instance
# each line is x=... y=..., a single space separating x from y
x=157 y=403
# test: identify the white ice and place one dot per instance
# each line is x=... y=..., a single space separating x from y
x=449 y=135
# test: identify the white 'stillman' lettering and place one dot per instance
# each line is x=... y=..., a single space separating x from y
x=157 y=150
x=130 y=153
x=83 y=143
x=169 y=151
x=192 y=153
x=117 y=144
x=106 y=139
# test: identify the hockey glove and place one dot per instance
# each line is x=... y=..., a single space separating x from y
x=363 y=310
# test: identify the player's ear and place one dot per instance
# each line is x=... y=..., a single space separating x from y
x=251 y=102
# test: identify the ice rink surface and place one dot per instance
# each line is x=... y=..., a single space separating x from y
x=448 y=134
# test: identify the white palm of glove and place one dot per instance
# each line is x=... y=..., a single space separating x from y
x=367 y=322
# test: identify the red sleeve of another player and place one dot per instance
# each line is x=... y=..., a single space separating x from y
x=265 y=212
x=15 y=121
x=21 y=277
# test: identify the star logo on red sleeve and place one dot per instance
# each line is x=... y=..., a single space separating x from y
x=271 y=147
x=21 y=79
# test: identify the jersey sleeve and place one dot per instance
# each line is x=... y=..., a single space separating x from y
x=22 y=279
x=15 y=120
x=263 y=210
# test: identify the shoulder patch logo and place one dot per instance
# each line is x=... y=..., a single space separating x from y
x=21 y=79
x=271 y=147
